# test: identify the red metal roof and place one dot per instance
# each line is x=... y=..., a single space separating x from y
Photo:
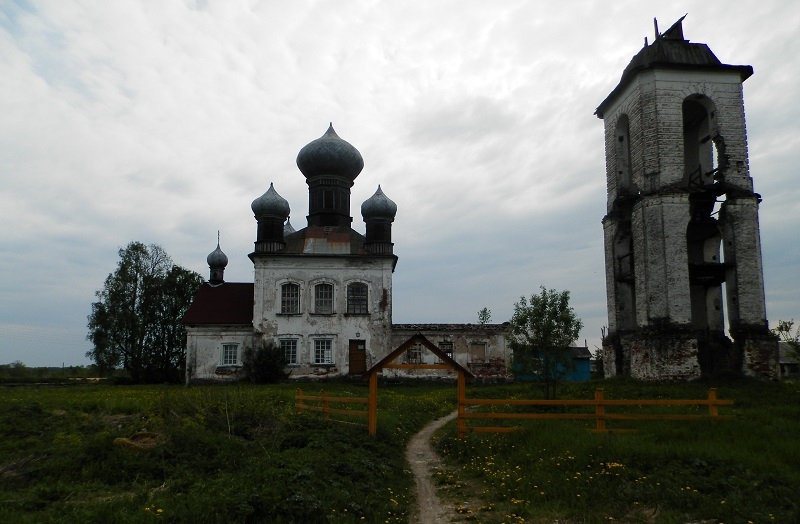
x=228 y=303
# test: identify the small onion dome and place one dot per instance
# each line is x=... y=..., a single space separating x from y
x=378 y=206
x=287 y=228
x=217 y=258
x=330 y=155
x=270 y=203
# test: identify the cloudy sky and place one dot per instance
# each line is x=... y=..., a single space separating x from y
x=160 y=121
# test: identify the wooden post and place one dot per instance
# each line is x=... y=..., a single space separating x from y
x=713 y=410
x=325 y=414
x=600 y=411
x=373 y=404
x=462 y=397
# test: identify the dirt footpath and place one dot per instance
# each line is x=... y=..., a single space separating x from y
x=424 y=461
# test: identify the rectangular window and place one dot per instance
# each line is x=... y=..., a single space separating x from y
x=323 y=299
x=323 y=351
x=414 y=354
x=230 y=354
x=290 y=299
x=357 y=299
x=447 y=347
x=289 y=349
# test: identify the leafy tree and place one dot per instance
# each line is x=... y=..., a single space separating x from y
x=542 y=331
x=136 y=323
x=785 y=334
x=484 y=316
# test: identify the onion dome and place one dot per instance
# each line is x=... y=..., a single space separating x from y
x=217 y=258
x=216 y=263
x=330 y=155
x=287 y=228
x=270 y=203
x=378 y=206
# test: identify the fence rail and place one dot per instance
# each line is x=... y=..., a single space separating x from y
x=600 y=415
x=322 y=404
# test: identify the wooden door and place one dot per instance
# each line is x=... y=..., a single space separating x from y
x=357 y=357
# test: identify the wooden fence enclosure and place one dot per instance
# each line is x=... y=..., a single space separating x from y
x=600 y=414
x=328 y=406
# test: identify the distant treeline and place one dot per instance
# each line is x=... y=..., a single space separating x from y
x=17 y=372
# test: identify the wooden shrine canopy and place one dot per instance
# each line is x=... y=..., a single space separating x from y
x=387 y=362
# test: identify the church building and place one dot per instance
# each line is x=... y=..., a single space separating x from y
x=322 y=294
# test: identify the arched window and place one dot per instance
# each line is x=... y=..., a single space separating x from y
x=290 y=299
x=357 y=299
x=323 y=299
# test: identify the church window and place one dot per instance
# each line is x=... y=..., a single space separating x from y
x=414 y=354
x=323 y=351
x=447 y=347
x=290 y=299
x=230 y=354
x=289 y=349
x=323 y=299
x=357 y=299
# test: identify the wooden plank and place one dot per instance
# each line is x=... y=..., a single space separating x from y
x=494 y=430
x=358 y=400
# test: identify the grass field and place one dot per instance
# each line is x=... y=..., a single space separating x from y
x=735 y=471
x=240 y=453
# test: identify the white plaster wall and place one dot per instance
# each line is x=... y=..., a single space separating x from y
x=272 y=271
x=495 y=341
x=204 y=347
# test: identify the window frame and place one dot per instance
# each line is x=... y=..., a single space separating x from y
x=283 y=343
x=357 y=304
x=322 y=300
x=224 y=356
x=316 y=349
x=285 y=300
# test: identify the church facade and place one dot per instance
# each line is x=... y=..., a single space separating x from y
x=322 y=294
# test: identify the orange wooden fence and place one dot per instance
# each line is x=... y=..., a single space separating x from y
x=600 y=414
x=322 y=403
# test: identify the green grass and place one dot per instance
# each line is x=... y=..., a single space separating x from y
x=240 y=453
x=742 y=470
x=227 y=454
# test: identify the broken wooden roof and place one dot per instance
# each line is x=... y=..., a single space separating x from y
x=671 y=50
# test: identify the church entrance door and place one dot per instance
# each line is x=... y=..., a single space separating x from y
x=358 y=357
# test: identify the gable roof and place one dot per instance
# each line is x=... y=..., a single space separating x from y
x=227 y=303
x=418 y=339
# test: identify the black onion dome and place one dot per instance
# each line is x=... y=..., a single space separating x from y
x=217 y=258
x=378 y=206
x=270 y=203
x=330 y=155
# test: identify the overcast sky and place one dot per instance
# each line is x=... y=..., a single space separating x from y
x=161 y=121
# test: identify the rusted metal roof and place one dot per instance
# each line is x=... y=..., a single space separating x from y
x=228 y=303
x=325 y=240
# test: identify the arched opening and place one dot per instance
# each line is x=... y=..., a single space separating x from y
x=623 y=155
x=703 y=156
x=624 y=277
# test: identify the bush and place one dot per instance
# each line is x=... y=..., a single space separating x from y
x=265 y=365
